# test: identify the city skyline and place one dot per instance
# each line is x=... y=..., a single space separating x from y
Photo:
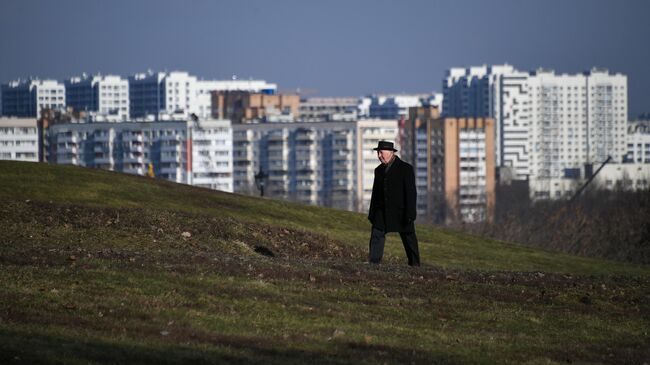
x=333 y=49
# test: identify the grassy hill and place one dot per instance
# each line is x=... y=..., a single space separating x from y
x=100 y=267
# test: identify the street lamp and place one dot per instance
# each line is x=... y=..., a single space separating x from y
x=260 y=180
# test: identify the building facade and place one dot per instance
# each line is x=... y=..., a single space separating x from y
x=548 y=126
x=18 y=139
x=329 y=109
x=454 y=163
x=105 y=95
x=27 y=98
x=628 y=176
x=244 y=106
x=181 y=94
x=190 y=152
x=369 y=133
x=322 y=163
x=170 y=93
x=638 y=142
x=395 y=107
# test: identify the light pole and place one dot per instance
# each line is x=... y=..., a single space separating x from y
x=260 y=180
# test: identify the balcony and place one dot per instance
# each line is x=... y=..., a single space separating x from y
x=105 y=160
x=170 y=158
x=133 y=138
x=102 y=138
x=70 y=139
x=173 y=137
x=136 y=148
x=276 y=146
x=133 y=160
x=100 y=148
x=176 y=171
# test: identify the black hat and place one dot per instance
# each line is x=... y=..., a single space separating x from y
x=385 y=145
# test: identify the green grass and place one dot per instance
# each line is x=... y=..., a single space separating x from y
x=94 y=269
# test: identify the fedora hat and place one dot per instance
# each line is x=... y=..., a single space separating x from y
x=385 y=145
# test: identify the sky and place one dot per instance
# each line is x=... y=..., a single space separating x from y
x=326 y=48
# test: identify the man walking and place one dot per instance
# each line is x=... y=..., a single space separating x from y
x=392 y=205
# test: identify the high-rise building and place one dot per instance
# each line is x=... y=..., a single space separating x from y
x=27 y=98
x=104 y=95
x=180 y=94
x=171 y=93
x=206 y=87
x=18 y=139
x=548 y=126
x=575 y=120
x=184 y=151
x=329 y=109
x=454 y=164
x=308 y=163
x=395 y=107
x=321 y=163
x=369 y=133
x=244 y=106
x=417 y=144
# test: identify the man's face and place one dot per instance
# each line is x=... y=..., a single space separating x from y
x=385 y=156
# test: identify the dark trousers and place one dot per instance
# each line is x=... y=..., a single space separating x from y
x=409 y=240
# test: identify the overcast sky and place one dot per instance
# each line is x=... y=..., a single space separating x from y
x=333 y=48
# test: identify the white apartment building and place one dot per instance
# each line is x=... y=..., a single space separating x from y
x=321 y=163
x=26 y=98
x=329 y=109
x=107 y=96
x=369 y=133
x=172 y=93
x=548 y=126
x=18 y=139
x=308 y=163
x=628 y=176
x=212 y=162
x=576 y=120
x=181 y=94
x=395 y=107
x=189 y=152
x=638 y=142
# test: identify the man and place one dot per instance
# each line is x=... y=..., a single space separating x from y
x=392 y=205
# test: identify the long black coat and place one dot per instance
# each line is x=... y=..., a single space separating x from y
x=393 y=202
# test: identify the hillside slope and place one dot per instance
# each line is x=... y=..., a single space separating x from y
x=108 y=268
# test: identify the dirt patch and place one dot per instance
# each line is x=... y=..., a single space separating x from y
x=34 y=221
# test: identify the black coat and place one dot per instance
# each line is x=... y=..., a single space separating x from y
x=393 y=202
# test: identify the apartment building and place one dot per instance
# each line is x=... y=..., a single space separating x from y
x=106 y=95
x=547 y=125
x=321 y=163
x=454 y=163
x=18 y=139
x=27 y=98
x=638 y=142
x=244 y=106
x=395 y=107
x=190 y=152
x=323 y=109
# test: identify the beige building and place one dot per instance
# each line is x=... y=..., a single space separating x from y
x=454 y=163
x=244 y=106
